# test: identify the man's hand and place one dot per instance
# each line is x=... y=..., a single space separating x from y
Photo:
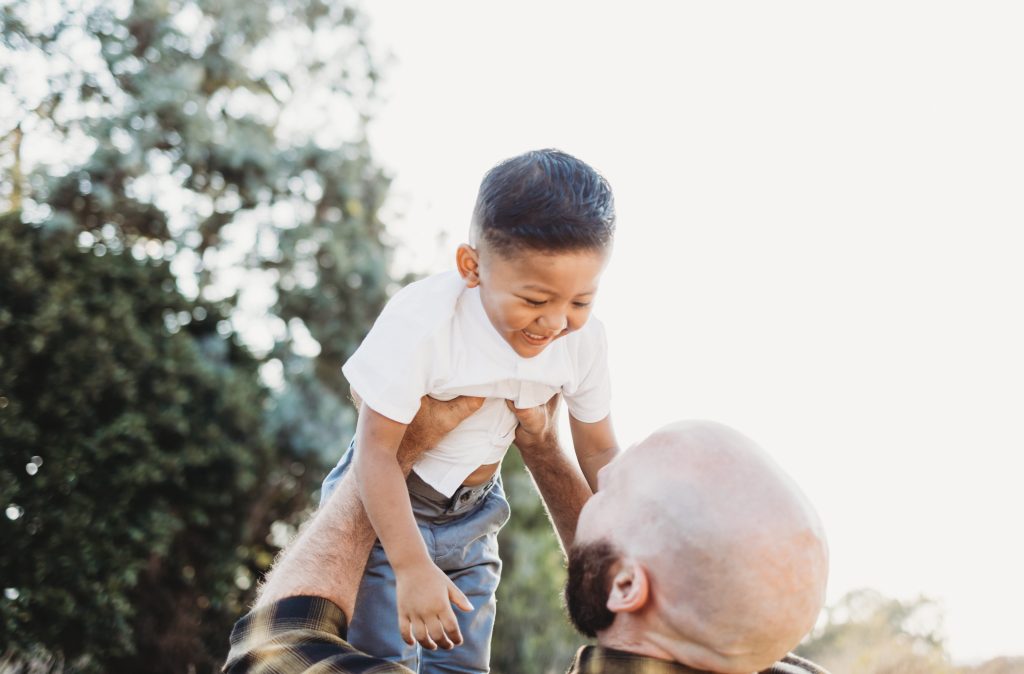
x=538 y=426
x=425 y=596
x=435 y=419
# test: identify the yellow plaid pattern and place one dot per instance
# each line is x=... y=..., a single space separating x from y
x=299 y=635
x=306 y=635
x=597 y=660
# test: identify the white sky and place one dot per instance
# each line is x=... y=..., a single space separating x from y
x=820 y=243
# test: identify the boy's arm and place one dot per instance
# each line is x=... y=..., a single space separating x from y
x=595 y=446
x=424 y=592
x=558 y=478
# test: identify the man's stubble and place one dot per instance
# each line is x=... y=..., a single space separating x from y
x=588 y=585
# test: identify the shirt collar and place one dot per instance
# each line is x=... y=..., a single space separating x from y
x=598 y=660
x=484 y=331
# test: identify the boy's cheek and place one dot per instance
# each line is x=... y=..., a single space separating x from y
x=578 y=323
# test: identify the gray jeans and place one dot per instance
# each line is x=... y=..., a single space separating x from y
x=461 y=534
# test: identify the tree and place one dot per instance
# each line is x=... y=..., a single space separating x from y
x=218 y=147
x=132 y=446
x=228 y=135
x=1001 y=665
x=867 y=633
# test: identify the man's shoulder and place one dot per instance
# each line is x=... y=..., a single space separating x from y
x=600 y=660
x=296 y=635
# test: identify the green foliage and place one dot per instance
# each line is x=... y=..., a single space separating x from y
x=532 y=633
x=867 y=633
x=233 y=132
x=1000 y=665
x=132 y=449
x=223 y=142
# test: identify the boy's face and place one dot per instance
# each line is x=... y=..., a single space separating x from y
x=533 y=298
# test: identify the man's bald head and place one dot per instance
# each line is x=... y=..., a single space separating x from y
x=703 y=550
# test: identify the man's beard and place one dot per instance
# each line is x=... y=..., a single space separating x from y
x=588 y=585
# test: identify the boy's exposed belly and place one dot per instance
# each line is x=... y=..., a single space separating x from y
x=481 y=474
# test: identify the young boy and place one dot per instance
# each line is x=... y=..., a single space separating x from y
x=510 y=326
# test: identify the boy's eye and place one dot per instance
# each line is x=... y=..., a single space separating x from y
x=535 y=303
x=581 y=305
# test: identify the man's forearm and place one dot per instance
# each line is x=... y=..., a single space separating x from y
x=561 y=485
x=328 y=556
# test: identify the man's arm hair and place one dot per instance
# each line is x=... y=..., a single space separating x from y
x=557 y=476
x=327 y=557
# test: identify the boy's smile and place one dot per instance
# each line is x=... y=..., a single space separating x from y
x=533 y=298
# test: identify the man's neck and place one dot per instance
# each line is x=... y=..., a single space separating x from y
x=642 y=638
x=604 y=660
x=631 y=642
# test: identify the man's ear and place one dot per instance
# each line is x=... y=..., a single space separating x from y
x=467 y=259
x=630 y=588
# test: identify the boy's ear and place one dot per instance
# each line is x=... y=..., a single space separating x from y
x=467 y=259
x=630 y=588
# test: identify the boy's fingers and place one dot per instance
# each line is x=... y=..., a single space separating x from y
x=451 y=627
x=437 y=633
x=456 y=597
x=405 y=630
x=423 y=635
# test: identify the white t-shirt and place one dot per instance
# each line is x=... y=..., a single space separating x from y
x=434 y=338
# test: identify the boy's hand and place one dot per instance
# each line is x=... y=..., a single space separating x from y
x=537 y=425
x=425 y=597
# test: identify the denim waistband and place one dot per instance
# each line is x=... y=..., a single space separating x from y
x=429 y=503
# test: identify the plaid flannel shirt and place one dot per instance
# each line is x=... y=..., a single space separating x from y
x=597 y=660
x=306 y=635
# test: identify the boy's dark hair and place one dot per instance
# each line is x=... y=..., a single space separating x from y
x=544 y=200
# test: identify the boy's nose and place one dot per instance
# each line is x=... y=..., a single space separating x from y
x=555 y=322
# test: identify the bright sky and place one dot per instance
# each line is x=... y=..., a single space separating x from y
x=820 y=243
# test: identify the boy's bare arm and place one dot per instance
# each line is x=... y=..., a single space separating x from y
x=424 y=593
x=595 y=446
x=559 y=480
x=435 y=419
x=381 y=485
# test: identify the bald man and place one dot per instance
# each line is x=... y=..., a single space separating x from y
x=697 y=554
x=698 y=549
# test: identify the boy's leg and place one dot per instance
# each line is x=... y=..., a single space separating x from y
x=334 y=477
x=467 y=550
